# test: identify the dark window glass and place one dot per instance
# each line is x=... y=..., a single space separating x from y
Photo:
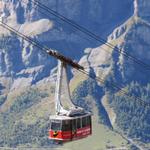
x=88 y=120
x=66 y=126
x=74 y=127
x=55 y=126
x=78 y=123
x=84 y=122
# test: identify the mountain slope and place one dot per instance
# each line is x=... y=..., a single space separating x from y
x=23 y=66
x=132 y=38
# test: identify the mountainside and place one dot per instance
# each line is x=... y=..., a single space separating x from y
x=126 y=71
x=26 y=17
x=27 y=75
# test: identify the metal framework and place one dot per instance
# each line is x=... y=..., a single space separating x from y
x=63 y=102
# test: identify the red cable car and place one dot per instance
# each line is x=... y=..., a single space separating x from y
x=66 y=128
x=70 y=122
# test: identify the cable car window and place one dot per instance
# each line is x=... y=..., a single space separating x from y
x=84 y=122
x=55 y=126
x=88 y=120
x=78 y=123
x=74 y=127
x=66 y=125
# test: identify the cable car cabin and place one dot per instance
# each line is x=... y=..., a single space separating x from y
x=64 y=128
x=73 y=122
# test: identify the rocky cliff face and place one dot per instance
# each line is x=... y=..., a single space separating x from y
x=26 y=17
x=142 y=9
x=130 y=38
x=124 y=24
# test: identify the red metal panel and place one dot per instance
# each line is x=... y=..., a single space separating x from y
x=82 y=132
x=59 y=135
x=68 y=135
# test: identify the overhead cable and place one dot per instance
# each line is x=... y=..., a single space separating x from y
x=41 y=47
x=90 y=34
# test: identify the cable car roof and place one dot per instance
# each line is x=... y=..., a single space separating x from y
x=58 y=117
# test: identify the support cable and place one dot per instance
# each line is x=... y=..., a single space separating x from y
x=90 y=34
x=92 y=76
